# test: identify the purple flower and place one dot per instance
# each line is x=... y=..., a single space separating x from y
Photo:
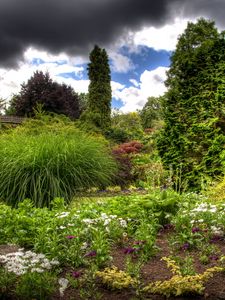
x=90 y=254
x=139 y=242
x=76 y=274
x=195 y=229
x=213 y=257
x=70 y=237
x=185 y=246
x=216 y=238
x=129 y=250
x=168 y=226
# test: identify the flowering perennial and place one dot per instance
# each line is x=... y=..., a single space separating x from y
x=22 y=262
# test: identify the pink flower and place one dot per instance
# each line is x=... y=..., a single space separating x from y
x=90 y=254
x=76 y=274
x=70 y=237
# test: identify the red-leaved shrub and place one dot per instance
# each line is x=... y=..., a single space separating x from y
x=123 y=155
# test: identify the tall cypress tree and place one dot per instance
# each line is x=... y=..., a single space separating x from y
x=99 y=91
x=193 y=137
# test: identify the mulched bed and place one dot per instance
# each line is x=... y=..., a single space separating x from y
x=154 y=270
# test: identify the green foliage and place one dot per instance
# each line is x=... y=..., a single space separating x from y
x=99 y=92
x=185 y=264
x=39 y=286
x=193 y=135
x=53 y=162
x=83 y=101
x=7 y=283
x=148 y=171
x=78 y=240
x=129 y=123
x=117 y=135
x=151 y=112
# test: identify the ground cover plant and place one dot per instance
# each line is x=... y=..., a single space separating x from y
x=99 y=247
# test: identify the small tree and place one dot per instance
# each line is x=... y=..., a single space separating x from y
x=54 y=97
x=151 y=112
x=98 y=109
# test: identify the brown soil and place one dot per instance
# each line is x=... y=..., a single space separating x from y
x=154 y=270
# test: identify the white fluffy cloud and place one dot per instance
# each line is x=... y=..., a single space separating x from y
x=11 y=80
x=151 y=84
x=163 y=38
x=120 y=63
x=132 y=97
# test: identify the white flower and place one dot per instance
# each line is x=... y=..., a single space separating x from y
x=46 y=265
x=27 y=261
x=38 y=270
x=84 y=246
x=54 y=262
x=88 y=221
x=113 y=216
x=62 y=215
x=104 y=215
x=63 y=282
x=62 y=227
x=217 y=230
x=123 y=223
x=40 y=256
x=106 y=222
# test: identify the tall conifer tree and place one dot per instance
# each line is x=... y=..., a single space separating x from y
x=194 y=107
x=99 y=91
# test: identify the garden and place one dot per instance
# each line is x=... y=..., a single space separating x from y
x=72 y=229
x=97 y=204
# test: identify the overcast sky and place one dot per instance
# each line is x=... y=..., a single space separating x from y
x=57 y=36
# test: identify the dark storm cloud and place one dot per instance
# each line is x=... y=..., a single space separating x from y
x=74 y=26
x=211 y=9
x=70 y=25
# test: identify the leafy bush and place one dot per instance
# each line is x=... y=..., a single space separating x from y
x=149 y=171
x=129 y=123
x=44 y=165
x=122 y=154
x=117 y=135
x=130 y=147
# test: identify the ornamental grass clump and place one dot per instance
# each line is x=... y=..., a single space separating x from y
x=51 y=164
